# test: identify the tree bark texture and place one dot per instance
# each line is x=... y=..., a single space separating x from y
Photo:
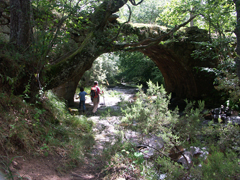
x=14 y=20
x=20 y=22
x=75 y=63
x=237 y=32
x=177 y=66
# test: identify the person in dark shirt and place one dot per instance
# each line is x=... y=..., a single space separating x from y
x=82 y=95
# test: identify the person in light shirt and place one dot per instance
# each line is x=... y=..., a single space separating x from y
x=95 y=91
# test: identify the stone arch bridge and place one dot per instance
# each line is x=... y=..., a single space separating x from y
x=185 y=76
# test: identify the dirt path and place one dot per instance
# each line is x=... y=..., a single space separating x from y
x=49 y=168
x=106 y=123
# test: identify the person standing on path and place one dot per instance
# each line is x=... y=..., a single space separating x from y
x=95 y=91
x=82 y=95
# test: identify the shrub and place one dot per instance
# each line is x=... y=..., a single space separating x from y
x=221 y=166
x=150 y=115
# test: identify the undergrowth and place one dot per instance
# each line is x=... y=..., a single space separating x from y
x=42 y=129
x=191 y=149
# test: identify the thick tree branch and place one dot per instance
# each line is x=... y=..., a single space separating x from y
x=133 y=2
x=57 y=29
x=149 y=41
x=129 y=17
x=76 y=51
x=102 y=12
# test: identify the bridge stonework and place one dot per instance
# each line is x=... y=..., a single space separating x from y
x=180 y=69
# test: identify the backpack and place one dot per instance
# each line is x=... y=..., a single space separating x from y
x=94 y=93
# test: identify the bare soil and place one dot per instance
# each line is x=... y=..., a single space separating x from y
x=49 y=168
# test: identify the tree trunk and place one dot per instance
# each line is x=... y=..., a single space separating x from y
x=20 y=23
x=237 y=32
x=14 y=6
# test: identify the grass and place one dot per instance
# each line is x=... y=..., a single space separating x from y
x=42 y=129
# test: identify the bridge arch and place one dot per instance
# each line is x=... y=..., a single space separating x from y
x=173 y=58
x=176 y=63
x=179 y=70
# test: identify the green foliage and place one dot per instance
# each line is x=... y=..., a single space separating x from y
x=125 y=161
x=190 y=123
x=110 y=69
x=229 y=137
x=59 y=110
x=215 y=16
x=50 y=39
x=137 y=68
x=48 y=127
x=220 y=49
x=221 y=166
x=104 y=70
x=43 y=129
x=149 y=115
x=113 y=93
x=174 y=12
x=147 y=12
x=229 y=83
x=170 y=169
x=5 y=165
x=223 y=21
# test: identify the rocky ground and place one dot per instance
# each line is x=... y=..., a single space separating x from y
x=106 y=127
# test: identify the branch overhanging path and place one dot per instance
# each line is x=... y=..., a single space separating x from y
x=91 y=41
x=149 y=41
